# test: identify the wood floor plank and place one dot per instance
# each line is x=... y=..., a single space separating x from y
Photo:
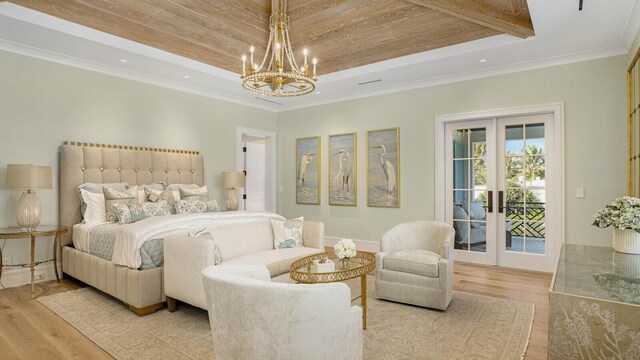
x=28 y=330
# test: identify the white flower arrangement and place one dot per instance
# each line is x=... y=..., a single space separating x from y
x=345 y=249
x=623 y=213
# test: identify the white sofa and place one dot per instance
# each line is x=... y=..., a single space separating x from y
x=254 y=318
x=239 y=244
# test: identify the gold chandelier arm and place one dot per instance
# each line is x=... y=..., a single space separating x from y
x=290 y=56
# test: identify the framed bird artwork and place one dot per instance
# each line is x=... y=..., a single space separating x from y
x=383 y=168
x=308 y=170
x=343 y=169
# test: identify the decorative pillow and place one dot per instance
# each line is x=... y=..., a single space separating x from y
x=94 y=211
x=190 y=207
x=476 y=210
x=96 y=188
x=287 y=233
x=111 y=197
x=130 y=213
x=459 y=213
x=194 y=194
x=154 y=195
x=212 y=206
x=156 y=185
x=175 y=188
x=217 y=257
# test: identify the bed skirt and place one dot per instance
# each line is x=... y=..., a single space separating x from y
x=141 y=290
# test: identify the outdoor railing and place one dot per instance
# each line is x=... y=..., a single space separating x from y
x=534 y=213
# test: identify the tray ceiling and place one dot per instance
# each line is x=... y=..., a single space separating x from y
x=342 y=34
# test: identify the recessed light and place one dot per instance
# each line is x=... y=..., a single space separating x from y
x=317 y=92
x=123 y=60
x=186 y=76
x=483 y=60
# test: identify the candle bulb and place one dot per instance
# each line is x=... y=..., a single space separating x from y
x=305 y=52
x=251 y=50
x=244 y=64
x=315 y=62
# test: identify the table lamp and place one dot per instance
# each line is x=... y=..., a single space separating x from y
x=232 y=180
x=28 y=177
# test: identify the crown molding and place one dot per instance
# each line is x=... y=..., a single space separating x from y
x=46 y=55
x=455 y=78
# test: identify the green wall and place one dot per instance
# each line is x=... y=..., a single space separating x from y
x=42 y=104
x=594 y=95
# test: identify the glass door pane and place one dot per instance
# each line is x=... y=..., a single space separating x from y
x=524 y=162
x=469 y=188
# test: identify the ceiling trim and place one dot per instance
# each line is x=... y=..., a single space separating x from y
x=496 y=71
x=129 y=75
x=482 y=15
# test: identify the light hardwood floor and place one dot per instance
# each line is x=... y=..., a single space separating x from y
x=28 y=330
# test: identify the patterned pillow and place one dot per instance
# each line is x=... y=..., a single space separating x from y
x=190 y=207
x=130 y=213
x=217 y=257
x=157 y=195
x=194 y=194
x=112 y=197
x=287 y=233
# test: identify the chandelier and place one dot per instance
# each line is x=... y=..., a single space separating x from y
x=276 y=79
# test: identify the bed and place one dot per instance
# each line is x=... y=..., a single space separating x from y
x=98 y=258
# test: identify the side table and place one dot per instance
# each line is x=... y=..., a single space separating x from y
x=38 y=232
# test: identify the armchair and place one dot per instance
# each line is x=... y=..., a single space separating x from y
x=415 y=264
x=254 y=318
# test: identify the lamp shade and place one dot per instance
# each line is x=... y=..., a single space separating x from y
x=28 y=177
x=233 y=179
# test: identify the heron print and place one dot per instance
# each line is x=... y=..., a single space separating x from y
x=383 y=168
x=308 y=170
x=343 y=180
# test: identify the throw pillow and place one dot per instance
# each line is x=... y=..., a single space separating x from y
x=287 y=233
x=194 y=194
x=94 y=211
x=112 y=197
x=153 y=195
x=476 y=209
x=96 y=188
x=204 y=233
x=190 y=207
x=130 y=213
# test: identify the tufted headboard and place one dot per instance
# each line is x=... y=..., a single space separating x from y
x=98 y=163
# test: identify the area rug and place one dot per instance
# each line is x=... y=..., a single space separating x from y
x=473 y=327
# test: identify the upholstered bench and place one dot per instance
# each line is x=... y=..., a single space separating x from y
x=238 y=244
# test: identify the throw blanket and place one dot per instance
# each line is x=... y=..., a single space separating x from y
x=131 y=237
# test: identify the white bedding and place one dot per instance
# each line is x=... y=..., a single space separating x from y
x=81 y=235
x=131 y=237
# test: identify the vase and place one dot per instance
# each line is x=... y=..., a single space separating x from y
x=344 y=263
x=626 y=241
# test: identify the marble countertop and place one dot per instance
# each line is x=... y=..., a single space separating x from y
x=598 y=272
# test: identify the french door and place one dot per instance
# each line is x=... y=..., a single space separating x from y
x=497 y=196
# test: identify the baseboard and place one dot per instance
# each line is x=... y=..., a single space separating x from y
x=12 y=277
x=366 y=245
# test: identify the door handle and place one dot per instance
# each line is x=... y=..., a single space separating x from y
x=500 y=201
x=489 y=206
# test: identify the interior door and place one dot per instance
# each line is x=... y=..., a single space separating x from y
x=255 y=167
x=526 y=203
x=471 y=181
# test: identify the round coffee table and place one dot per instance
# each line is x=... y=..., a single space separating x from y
x=359 y=266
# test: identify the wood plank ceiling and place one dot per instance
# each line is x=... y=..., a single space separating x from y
x=342 y=33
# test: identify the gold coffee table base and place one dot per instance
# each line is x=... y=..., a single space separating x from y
x=359 y=266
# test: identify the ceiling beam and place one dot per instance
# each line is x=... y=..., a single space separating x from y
x=482 y=15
